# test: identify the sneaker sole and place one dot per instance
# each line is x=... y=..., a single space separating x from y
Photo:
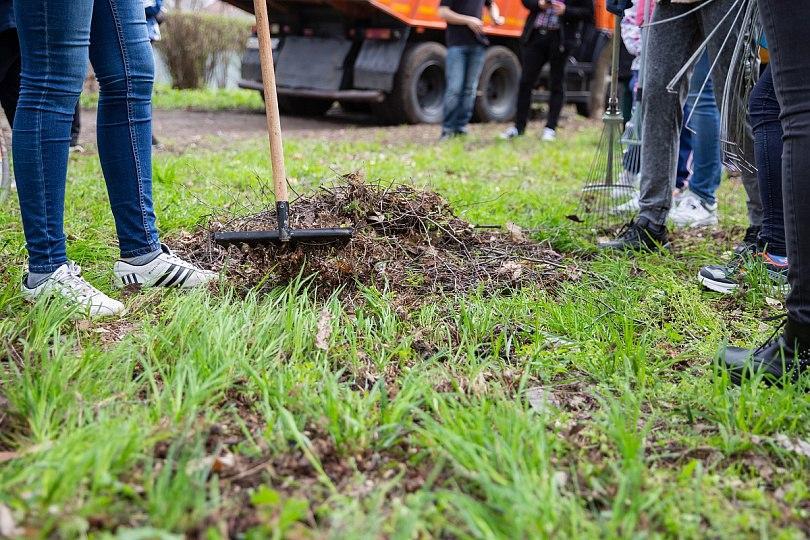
x=717 y=287
x=697 y=224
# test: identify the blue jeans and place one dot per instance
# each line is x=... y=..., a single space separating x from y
x=684 y=153
x=764 y=114
x=462 y=70
x=56 y=39
x=705 y=141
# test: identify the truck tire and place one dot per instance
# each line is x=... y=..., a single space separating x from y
x=498 y=86
x=418 y=93
x=306 y=107
x=599 y=87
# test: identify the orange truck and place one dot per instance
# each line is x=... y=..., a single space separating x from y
x=387 y=57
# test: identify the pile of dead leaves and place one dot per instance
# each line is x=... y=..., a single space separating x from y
x=405 y=239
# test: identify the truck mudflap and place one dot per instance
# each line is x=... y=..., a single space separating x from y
x=378 y=62
x=314 y=63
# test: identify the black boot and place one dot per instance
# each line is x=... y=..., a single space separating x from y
x=639 y=235
x=781 y=358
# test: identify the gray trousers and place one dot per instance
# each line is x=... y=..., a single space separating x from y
x=669 y=47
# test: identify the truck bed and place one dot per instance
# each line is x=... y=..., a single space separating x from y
x=424 y=13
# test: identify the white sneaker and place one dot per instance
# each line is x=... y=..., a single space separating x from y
x=166 y=270
x=693 y=212
x=509 y=134
x=549 y=135
x=630 y=207
x=68 y=283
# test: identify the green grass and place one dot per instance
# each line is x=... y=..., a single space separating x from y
x=207 y=99
x=591 y=410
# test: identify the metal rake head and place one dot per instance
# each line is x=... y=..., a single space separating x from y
x=610 y=195
x=735 y=132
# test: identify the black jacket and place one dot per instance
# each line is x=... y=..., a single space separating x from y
x=577 y=14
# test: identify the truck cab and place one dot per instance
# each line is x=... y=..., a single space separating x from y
x=387 y=57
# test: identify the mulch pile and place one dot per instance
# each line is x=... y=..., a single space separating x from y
x=405 y=239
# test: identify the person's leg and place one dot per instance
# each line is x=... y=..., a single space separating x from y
x=454 y=76
x=54 y=38
x=475 y=65
x=706 y=123
x=122 y=59
x=785 y=28
x=557 y=61
x=721 y=50
x=76 y=126
x=784 y=24
x=9 y=73
x=626 y=98
x=668 y=48
x=682 y=172
x=631 y=160
x=764 y=113
x=534 y=56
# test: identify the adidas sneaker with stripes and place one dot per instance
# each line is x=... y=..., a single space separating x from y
x=165 y=270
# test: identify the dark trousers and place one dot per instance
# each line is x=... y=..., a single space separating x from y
x=785 y=23
x=9 y=73
x=542 y=47
x=76 y=126
x=764 y=114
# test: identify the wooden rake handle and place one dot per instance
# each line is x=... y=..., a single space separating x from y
x=271 y=101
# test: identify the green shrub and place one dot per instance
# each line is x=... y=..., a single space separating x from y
x=195 y=44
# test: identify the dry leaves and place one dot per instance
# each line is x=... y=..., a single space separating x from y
x=324 y=330
x=405 y=239
x=797 y=446
x=8 y=527
x=515 y=232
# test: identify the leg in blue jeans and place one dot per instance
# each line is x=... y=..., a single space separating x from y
x=684 y=153
x=707 y=169
x=475 y=64
x=56 y=38
x=454 y=68
x=462 y=69
x=764 y=113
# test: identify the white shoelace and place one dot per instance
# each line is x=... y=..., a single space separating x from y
x=170 y=257
x=76 y=284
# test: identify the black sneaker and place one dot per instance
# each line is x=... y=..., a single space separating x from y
x=779 y=359
x=639 y=235
x=750 y=242
x=726 y=279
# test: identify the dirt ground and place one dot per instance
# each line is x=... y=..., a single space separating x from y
x=182 y=128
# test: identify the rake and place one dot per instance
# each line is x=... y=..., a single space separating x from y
x=742 y=24
x=735 y=137
x=607 y=198
x=284 y=234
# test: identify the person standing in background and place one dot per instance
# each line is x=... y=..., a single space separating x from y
x=695 y=200
x=466 y=48
x=552 y=31
x=668 y=48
